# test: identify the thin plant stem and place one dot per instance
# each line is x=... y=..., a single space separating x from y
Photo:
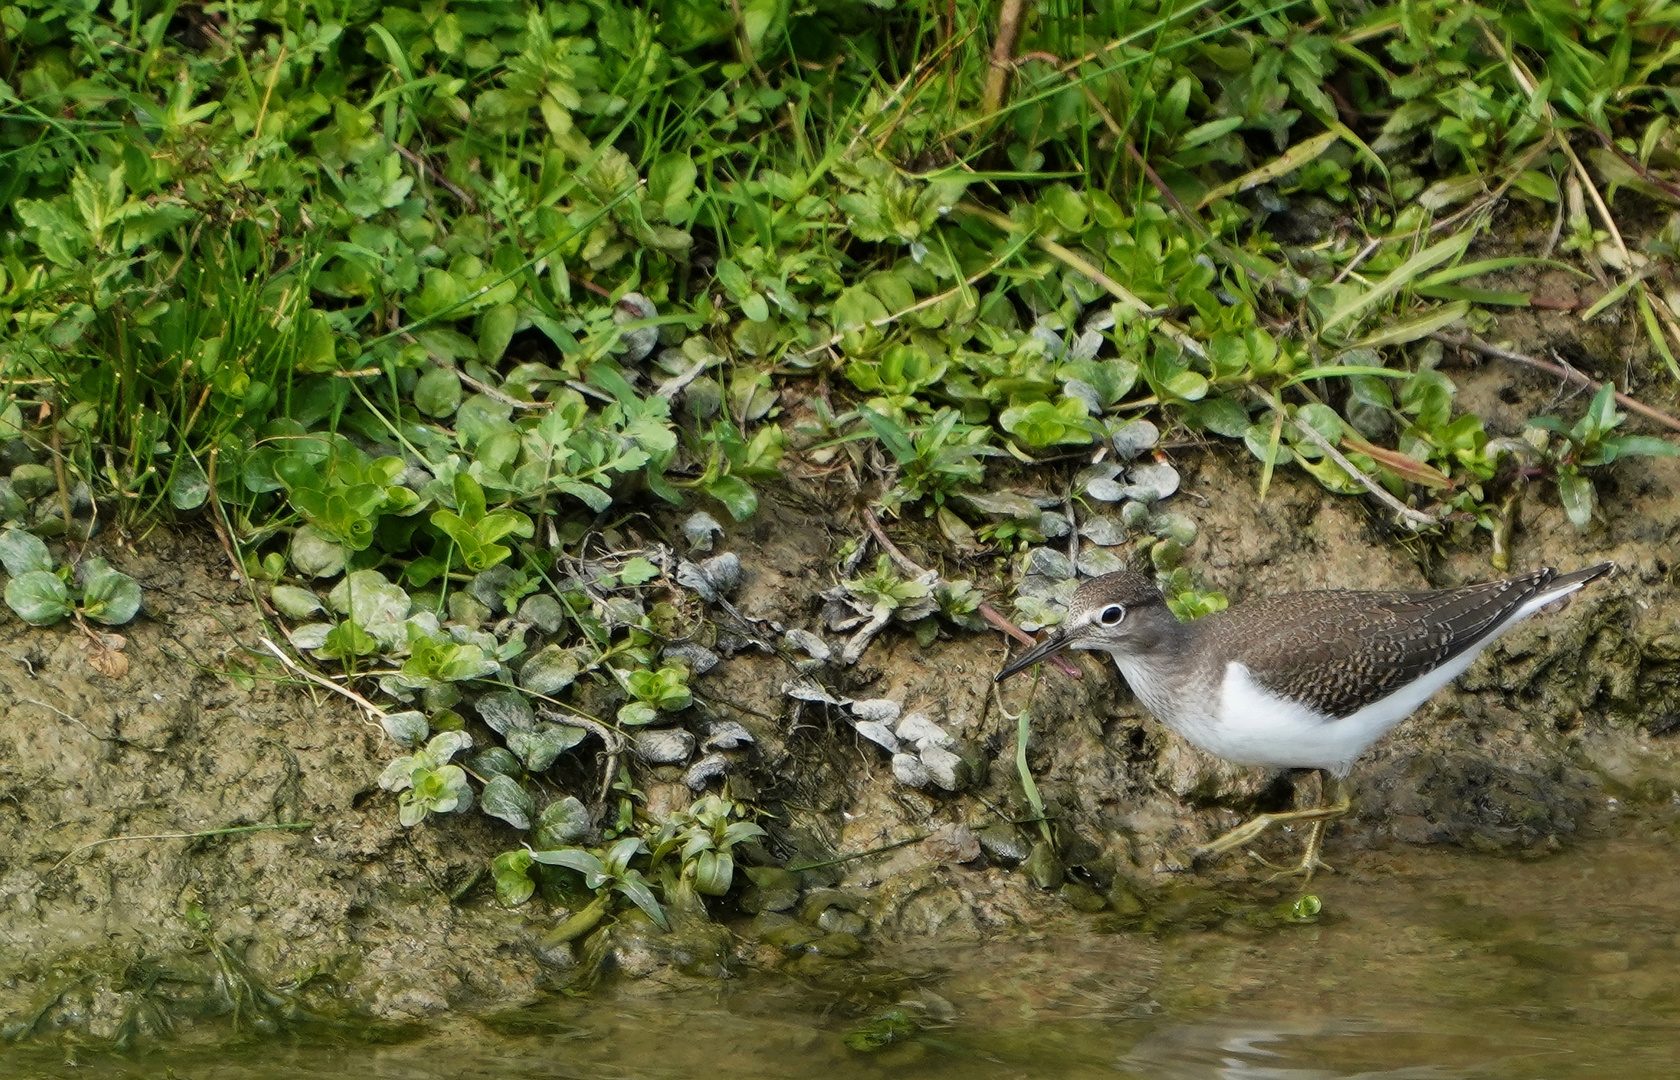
x=73 y=852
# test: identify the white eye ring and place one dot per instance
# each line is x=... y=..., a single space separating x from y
x=1111 y=615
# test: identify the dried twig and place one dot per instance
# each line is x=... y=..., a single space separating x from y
x=987 y=611
x=1477 y=345
x=482 y=387
x=612 y=740
x=1633 y=163
x=60 y=477
x=920 y=305
x=117 y=739
x=497 y=395
x=372 y=710
x=1003 y=55
x=674 y=385
x=437 y=178
x=1074 y=259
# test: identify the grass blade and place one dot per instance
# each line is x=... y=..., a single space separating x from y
x=1292 y=159
x=1403 y=275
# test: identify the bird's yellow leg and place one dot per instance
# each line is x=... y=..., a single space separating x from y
x=1319 y=816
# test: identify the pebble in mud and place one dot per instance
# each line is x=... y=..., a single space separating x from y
x=705 y=770
x=1043 y=867
x=838 y=946
x=945 y=768
x=837 y=920
x=701 y=530
x=918 y=729
x=663 y=746
x=909 y=771
x=1005 y=844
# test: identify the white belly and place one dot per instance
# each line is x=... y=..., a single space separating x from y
x=1253 y=726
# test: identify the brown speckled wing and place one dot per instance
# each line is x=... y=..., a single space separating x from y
x=1337 y=652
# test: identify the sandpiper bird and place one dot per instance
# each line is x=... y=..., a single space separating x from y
x=1298 y=681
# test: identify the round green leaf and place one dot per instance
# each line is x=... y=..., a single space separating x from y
x=21 y=552
x=1575 y=490
x=504 y=798
x=108 y=596
x=495 y=331
x=38 y=597
x=408 y=728
x=1220 y=415
x=1258 y=439
x=713 y=872
x=189 y=487
x=313 y=555
x=511 y=869
x=438 y=392
x=293 y=602
x=506 y=711
x=540 y=746
x=562 y=824
x=549 y=671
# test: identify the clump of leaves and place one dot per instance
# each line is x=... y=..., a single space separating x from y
x=932 y=460
x=705 y=835
x=425 y=781
x=42 y=593
x=654 y=692
x=605 y=873
x=1589 y=443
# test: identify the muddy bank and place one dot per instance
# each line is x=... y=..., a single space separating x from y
x=342 y=912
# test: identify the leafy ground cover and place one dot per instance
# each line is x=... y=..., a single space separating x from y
x=421 y=305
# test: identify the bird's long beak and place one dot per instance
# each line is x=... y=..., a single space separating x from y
x=1045 y=649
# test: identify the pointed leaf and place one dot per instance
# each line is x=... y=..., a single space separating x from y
x=640 y=895
x=1578 y=497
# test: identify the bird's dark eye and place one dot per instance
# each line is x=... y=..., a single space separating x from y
x=1111 y=615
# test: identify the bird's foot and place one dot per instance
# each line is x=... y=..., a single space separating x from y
x=1304 y=870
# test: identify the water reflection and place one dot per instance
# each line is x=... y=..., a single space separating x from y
x=1293 y=1050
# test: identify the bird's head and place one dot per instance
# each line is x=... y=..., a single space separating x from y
x=1116 y=613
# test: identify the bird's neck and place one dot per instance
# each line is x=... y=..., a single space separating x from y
x=1160 y=668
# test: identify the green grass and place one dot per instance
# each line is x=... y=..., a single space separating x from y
x=415 y=300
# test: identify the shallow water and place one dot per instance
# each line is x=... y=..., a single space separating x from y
x=1425 y=965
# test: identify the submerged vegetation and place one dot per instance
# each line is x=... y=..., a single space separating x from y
x=422 y=306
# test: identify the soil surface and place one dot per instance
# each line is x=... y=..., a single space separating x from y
x=330 y=908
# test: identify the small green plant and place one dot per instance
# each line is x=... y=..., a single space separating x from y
x=42 y=595
x=475 y=530
x=884 y=591
x=1186 y=598
x=655 y=692
x=604 y=873
x=1590 y=443
x=706 y=834
x=425 y=781
x=339 y=491
x=934 y=460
